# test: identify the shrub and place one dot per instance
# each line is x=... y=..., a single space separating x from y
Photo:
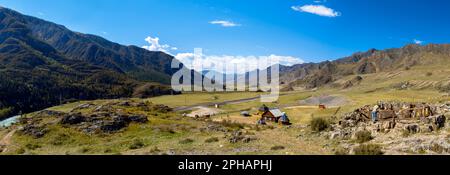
x=20 y=151
x=368 y=149
x=275 y=148
x=231 y=124
x=60 y=139
x=363 y=136
x=437 y=148
x=429 y=74
x=6 y=112
x=341 y=152
x=319 y=124
x=155 y=150
x=137 y=143
x=405 y=133
x=85 y=150
x=32 y=146
x=212 y=139
x=166 y=128
x=186 y=141
x=108 y=150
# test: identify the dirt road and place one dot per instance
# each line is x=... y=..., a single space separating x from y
x=6 y=141
x=203 y=105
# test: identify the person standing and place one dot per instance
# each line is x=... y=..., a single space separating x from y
x=375 y=113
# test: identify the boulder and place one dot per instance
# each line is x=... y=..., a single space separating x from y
x=236 y=137
x=113 y=126
x=439 y=121
x=248 y=139
x=138 y=118
x=34 y=131
x=335 y=135
x=387 y=125
x=386 y=114
x=73 y=119
x=162 y=108
x=125 y=104
x=412 y=128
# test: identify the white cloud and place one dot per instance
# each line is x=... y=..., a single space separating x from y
x=156 y=46
x=320 y=1
x=416 y=41
x=243 y=64
x=320 y=10
x=209 y=62
x=225 y=23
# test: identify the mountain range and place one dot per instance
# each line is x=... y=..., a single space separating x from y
x=44 y=64
x=315 y=75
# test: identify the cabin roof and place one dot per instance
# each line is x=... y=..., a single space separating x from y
x=276 y=112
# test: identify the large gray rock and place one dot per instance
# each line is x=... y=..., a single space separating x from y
x=412 y=128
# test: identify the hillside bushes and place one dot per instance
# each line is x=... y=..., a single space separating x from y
x=319 y=124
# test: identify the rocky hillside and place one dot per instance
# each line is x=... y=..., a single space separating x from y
x=44 y=64
x=402 y=128
x=313 y=75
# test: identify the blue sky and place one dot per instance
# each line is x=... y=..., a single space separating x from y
x=306 y=29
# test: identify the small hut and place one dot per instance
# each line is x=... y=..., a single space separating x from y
x=272 y=115
x=285 y=119
x=263 y=109
x=321 y=106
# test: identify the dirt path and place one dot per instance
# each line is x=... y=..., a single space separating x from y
x=187 y=108
x=204 y=111
x=203 y=105
x=6 y=141
x=328 y=100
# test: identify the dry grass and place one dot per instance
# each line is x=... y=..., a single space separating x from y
x=165 y=131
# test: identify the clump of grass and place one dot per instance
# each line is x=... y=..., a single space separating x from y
x=108 y=150
x=32 y=146
x=20 y=151
x=363 y=136
x=319 y=124
x=437 y=148
x=405 y=133
x=155 y=150
x=60 y=139
x=166 y=129
x=212 y=139
x=429 y=74
x=231 y=124
x=276 y=148
x=84 y=150
x=341 y=152
x=186 y=141
x=137 y=144
x=368 y=149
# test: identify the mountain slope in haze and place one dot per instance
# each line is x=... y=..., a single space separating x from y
x=43 y=64
x=314 y=75
x=134 y=61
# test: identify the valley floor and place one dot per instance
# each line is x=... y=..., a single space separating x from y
x=226 y=131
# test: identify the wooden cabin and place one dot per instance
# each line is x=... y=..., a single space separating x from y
x=272 y=115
